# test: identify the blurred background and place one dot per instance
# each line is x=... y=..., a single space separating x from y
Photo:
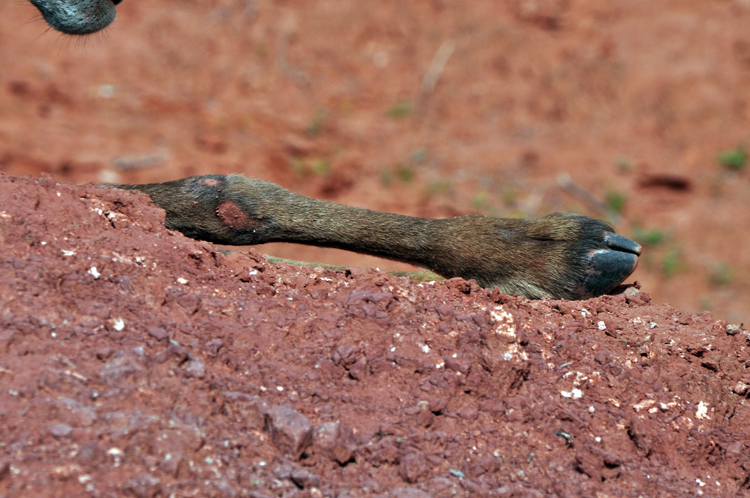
x=633 y=111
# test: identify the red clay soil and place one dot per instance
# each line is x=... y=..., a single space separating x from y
x=349 y=101
x=137 y=362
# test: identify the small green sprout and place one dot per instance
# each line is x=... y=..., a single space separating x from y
x=399 y=110
x=734 y=159
x=405 y=173
x=721 y=274
x=649 y=236
x=616 y=201
x=673 y=262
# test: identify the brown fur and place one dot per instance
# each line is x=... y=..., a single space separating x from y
x=545 y=257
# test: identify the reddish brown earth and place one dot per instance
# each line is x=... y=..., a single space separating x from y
x=175 y=370
x=135 y=361
x=328 y=98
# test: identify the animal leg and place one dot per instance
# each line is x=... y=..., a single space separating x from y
x=559 y=256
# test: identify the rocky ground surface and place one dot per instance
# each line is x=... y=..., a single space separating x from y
x=137 y=362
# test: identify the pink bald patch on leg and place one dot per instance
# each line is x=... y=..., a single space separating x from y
x=234 y=217
x=210 y=182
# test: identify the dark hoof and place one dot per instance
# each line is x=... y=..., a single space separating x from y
x=608 y=268
x=621 y=243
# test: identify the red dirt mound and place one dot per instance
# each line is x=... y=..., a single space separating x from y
x=135 y=361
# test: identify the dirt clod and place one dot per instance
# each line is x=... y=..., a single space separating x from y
x=290 y=431
x=336 y=441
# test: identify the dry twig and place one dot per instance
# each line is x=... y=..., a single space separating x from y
x=570 y=186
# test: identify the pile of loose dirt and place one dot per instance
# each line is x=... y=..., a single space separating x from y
x=135 y=361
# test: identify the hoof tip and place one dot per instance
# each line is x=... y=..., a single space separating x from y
x=609 y=268
x=620 y=243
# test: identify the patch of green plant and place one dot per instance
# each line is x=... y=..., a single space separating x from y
x=320 y=167
x=649 y=236
x=317 y=122
x=673 y=263
x=439 y=187
x=616 y=200
x=721 y=274
x=734 y=159
x=481 y=201
x=305 y=167
x=399 y=110
x=405 y=173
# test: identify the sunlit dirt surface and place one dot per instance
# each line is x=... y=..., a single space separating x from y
x=137 y=362
x=432 y=108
